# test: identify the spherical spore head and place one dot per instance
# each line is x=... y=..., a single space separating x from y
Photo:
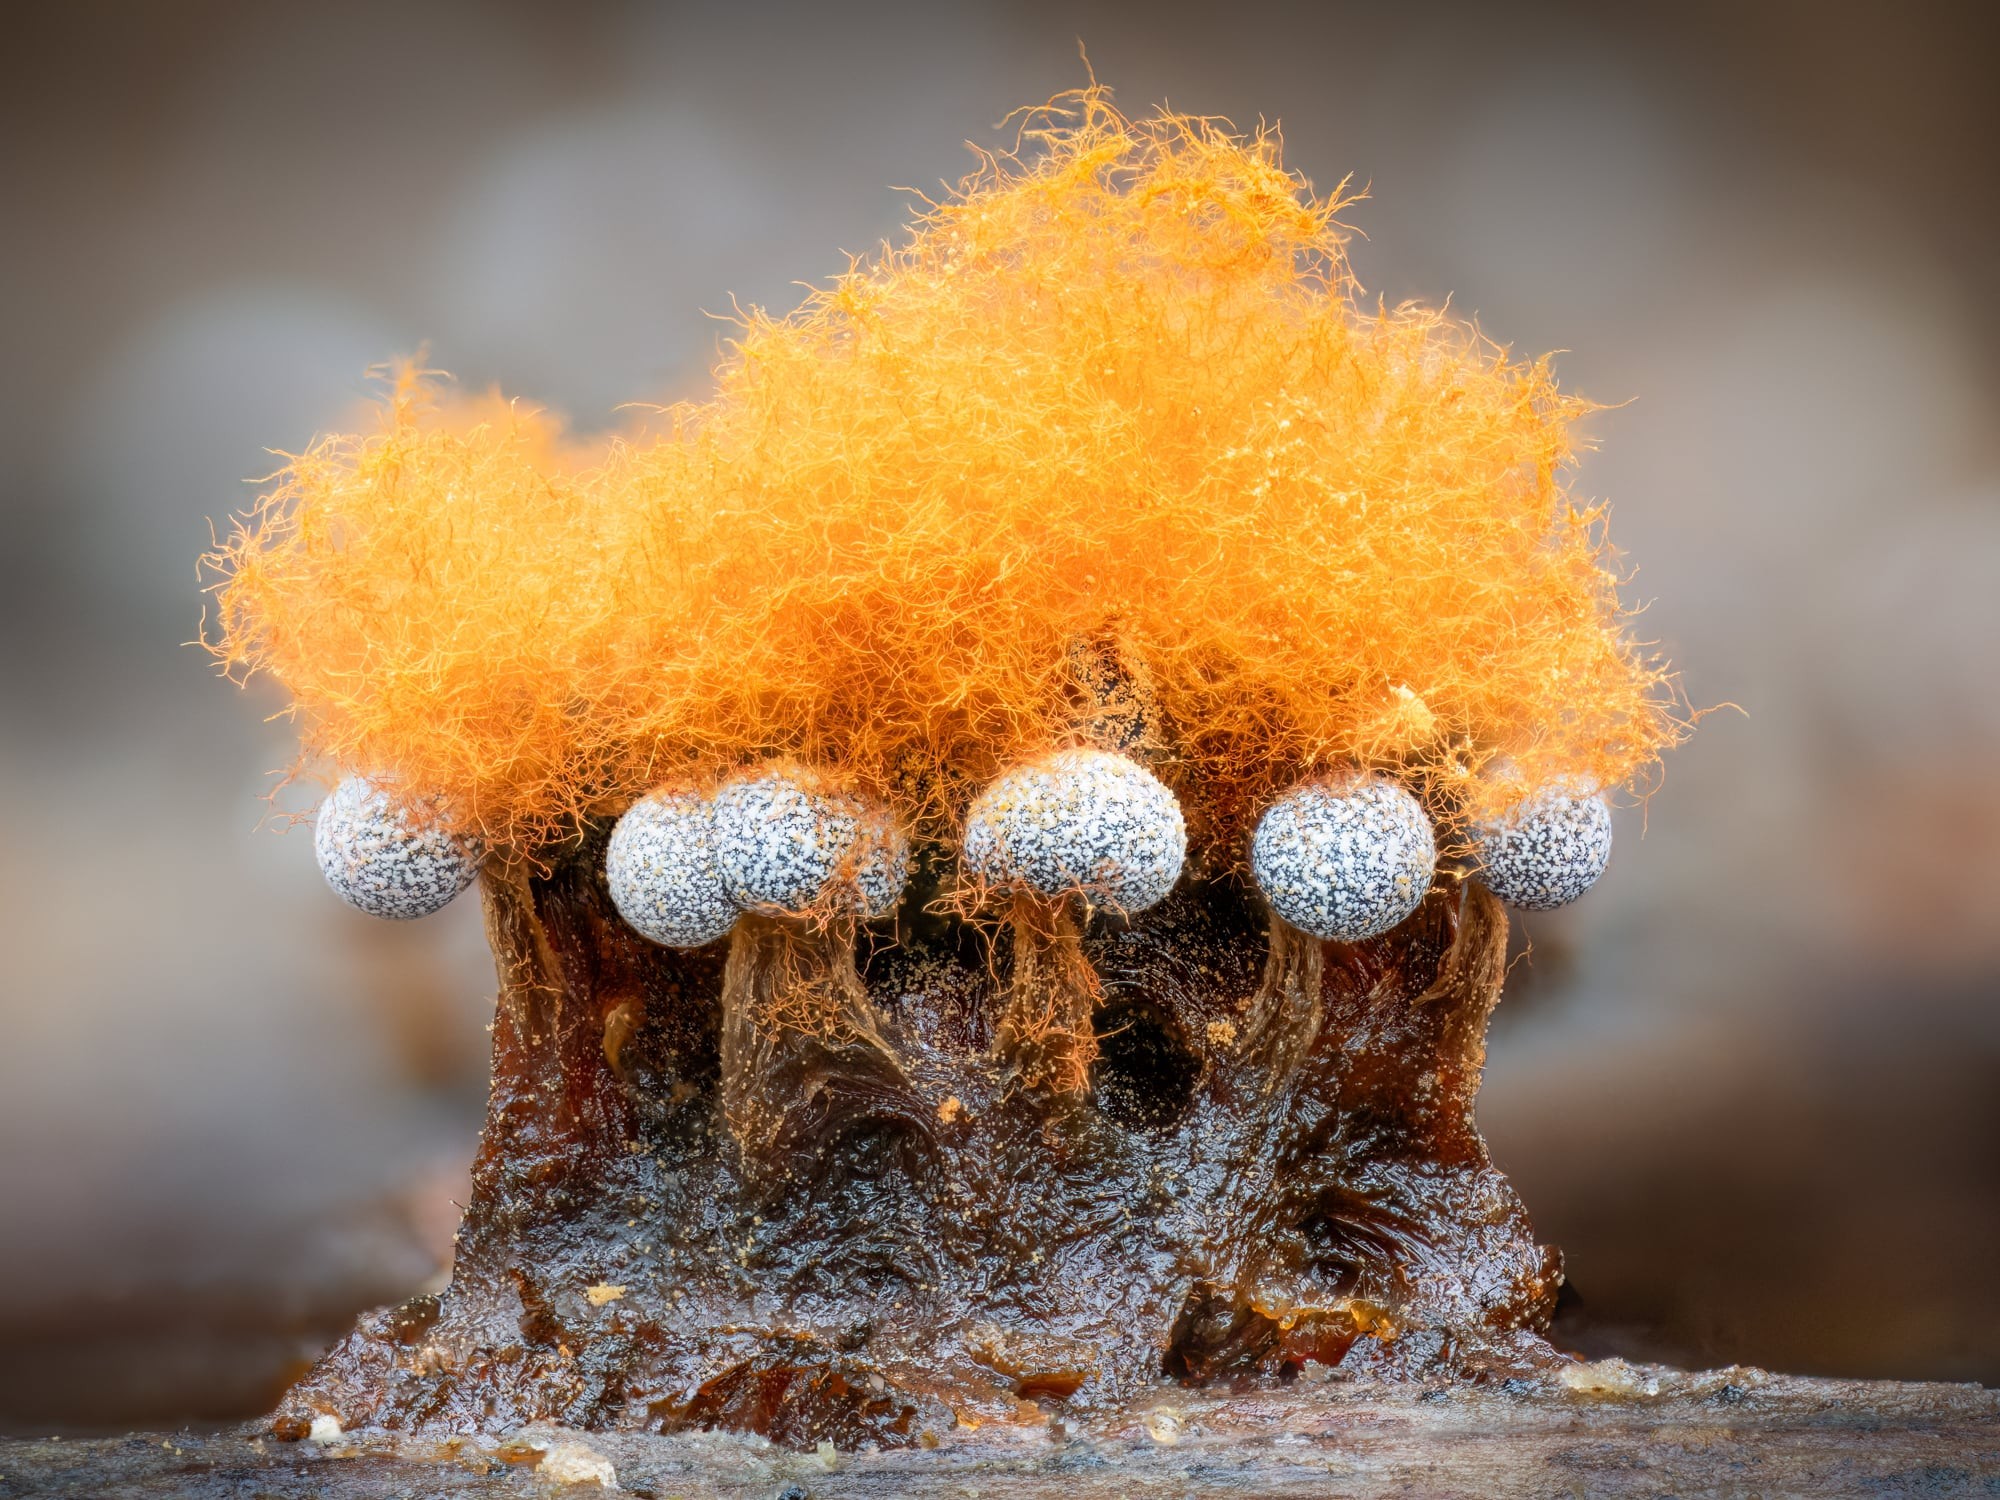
x=1548 y=850
x=778 y=841
x=880 y=867
x=784 y=842
x=1344 y=862
x=1079 y=820
x=381 y=861
x=661 y=870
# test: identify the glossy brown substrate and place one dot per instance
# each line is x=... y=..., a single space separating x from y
x=828 y=1188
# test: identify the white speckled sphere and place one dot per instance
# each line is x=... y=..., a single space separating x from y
x=380 y=862
x=1079 y=820
x=1344 y=862
x=783 y=844
x=881 y=867
x=661 y=870
x=1546 y=852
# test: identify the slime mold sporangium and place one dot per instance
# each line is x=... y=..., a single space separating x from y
x=971 y=819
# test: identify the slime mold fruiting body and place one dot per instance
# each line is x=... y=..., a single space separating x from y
x=881 y=867
x=785 y=844
x=1547 y=851
x=1344 y=863
x=1046 y=659
x=380 y=859
x=1082 y=820
x=660 y=869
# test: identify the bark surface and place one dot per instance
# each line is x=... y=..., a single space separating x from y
x=1607 y=1430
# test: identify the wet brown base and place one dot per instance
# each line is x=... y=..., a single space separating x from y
x=871 y=1195
x=1732 y=1432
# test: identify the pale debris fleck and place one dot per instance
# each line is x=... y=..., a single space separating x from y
x=568 y=1461
x=1609 y=1377
x=602 y=1293
x=325 y=1429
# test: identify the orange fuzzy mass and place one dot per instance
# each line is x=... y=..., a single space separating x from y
x=1118 y=385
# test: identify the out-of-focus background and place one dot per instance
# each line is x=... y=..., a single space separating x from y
x=1752 y=1085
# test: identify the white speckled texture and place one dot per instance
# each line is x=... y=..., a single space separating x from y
x=782 y=844
x=379 y=862
x=1079 y=820
x=661 y=870
x=1548 y=851
x=881 y=867
x=1344 y=862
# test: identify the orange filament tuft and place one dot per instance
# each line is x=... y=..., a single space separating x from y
x=1116 y=387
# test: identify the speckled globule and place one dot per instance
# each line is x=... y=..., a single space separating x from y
x=1548 y=851
x=1080 y=820
x=1344 y=862
x=784 y=844
x=660 y=868
x=380 y=860
x=880 y=866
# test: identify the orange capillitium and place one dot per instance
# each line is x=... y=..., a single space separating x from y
x=1119 y=382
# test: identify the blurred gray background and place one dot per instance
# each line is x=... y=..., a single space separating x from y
x=1749 y=1085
